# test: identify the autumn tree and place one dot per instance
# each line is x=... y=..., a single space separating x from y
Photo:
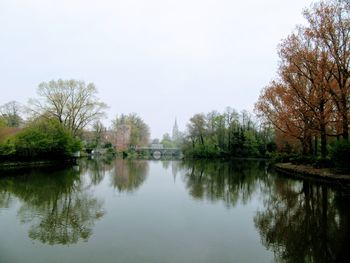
x=310 y=97
x=329 y=26
x=305 y=69
x=71 y=102
x=280 y=106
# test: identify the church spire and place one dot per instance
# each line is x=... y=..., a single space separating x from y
x=175 y=135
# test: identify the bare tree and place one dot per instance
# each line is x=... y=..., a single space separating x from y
x=72 y=102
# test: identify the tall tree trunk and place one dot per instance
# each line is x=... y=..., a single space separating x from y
x=324 y=151
x=316 y=145
x=345 y=123
x=323 y=131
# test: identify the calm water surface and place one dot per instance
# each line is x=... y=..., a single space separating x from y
x=170 y=211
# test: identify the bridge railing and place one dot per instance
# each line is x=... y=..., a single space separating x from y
x=154 y=149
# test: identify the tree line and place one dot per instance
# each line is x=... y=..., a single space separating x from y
x=305 y=109
x=65 y=116
x=309 y=101
x=227 y=134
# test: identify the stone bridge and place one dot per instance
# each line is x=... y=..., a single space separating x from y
x=158 y=152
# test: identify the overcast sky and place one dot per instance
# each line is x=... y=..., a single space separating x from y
x=159 y=58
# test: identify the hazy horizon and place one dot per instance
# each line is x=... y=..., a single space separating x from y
x=159 y=58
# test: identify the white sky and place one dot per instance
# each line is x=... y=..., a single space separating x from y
x=159 y=58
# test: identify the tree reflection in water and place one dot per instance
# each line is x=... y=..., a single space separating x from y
x=304 y=222
x=59 y=209
x=225 y=181
x=97 y=167
x=129 y=175
x=5 y=199
x=301 y=221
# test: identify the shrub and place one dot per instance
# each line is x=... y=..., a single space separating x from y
x=302 y=159
x=202 y=151
x=282 y=157
x=323 y=163
x=7 y=149
x=45 y=139
x=108 y=145
x=340 y=156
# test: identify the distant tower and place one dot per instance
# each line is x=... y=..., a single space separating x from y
x=175 y=135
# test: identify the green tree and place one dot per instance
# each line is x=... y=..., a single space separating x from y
x=71 y=102
x=10 y=114
x=167 y=141
x=98 y=131
x=139 y=130
x=45 y=138
x=226 y=134
x=197 y=128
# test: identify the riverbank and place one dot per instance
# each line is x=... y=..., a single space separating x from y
x=14 y=165
x=307 y=171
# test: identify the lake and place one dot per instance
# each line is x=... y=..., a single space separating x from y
x=113 y=210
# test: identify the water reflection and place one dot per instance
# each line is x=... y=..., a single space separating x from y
x=129 y=175
x=56 y=205
x=97 y=168
x=300 y=221
x=304 y=222
x=225 y=181
x=5 y=199
x=166 y=164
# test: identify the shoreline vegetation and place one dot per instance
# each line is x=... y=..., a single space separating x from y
x=302 y=117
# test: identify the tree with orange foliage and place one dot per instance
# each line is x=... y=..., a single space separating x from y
x=282 y=107
x=329 y=26
x=312 y=96
x=305 y=68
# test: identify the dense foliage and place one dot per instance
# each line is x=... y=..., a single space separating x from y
x=340 y=155
x=227 y=134
x=56 y=123
x=308 y=103
x=42 y=138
